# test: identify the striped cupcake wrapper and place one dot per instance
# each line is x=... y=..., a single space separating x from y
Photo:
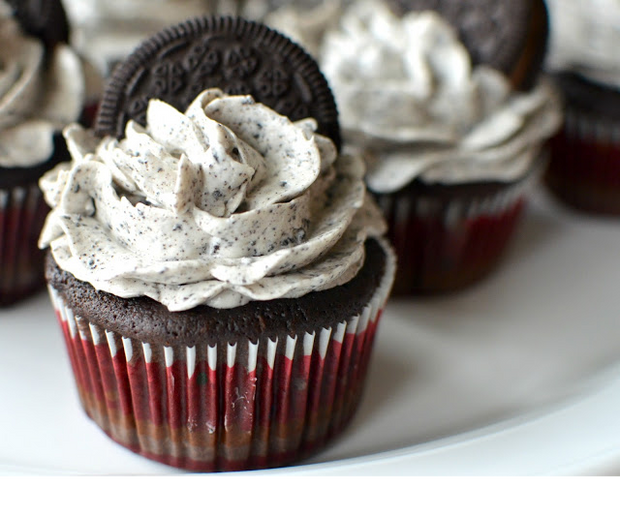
x=22 y=214
x=216 y=407
x=585 y=164
x=444 y=245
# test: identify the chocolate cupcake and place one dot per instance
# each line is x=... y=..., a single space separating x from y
x=219 y=271
x=452 y=147
x=45 y=86
x=586 y=153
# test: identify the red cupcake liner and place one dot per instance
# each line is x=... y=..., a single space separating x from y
x=235 y=406
x=445 y=244
x=585 y=164
x=22 y=215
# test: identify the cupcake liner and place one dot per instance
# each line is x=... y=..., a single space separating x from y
x=585 y=165
x=22 y=214
x=223 y=407
x=444 y=243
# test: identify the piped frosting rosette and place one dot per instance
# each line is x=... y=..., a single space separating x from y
x=409 y=96
x=40 y=93
x=225 y=203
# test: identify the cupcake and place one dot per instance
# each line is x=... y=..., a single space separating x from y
x=453 y=136
x=44 y=85
x=107 y=31
x=586 y=153
x=218 y=270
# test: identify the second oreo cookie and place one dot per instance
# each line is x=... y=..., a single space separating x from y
x=233 y=54
x=45 y=19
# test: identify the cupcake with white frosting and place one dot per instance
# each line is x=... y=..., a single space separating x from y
x=227 y=268
x=583 y=59
x=42 y=88
x=452 y=149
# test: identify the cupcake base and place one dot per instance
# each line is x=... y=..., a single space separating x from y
x=584 y=172
x=222 y=397
x=22 y=214
x=447 y=238
x=585 y=167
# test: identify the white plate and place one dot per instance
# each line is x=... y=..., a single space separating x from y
x=519 y=375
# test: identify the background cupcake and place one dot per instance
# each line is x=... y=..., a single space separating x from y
x=219 y=272
x=586 y=154
x=451 y=130
x=44 y=85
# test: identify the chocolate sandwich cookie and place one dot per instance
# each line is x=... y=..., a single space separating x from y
x=45 y=19
x=508 y=35
x=233 y=54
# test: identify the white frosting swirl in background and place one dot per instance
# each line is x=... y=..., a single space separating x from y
x=585 y=37
x=305 y=25
x=408 y=95
x=109 y=30
x=227 y=203
x=39 y=94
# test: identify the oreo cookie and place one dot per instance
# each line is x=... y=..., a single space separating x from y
x=44 y=19
x=230 y=53
x=508 y=35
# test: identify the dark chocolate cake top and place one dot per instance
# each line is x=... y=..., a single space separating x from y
x=150 y=321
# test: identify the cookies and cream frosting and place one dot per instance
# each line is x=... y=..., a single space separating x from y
x=409 y=96
x=585 y=37
x=225 y=203
x=40 y=92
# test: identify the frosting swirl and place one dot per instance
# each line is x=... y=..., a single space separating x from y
x=408 y=95
x=306 y=25
x=39 y=94
x=108 y=30
x=225 y=203
x=585 y=37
